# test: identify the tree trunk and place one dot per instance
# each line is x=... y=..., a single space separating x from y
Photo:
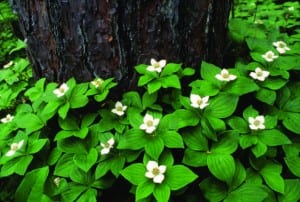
x=105 y=38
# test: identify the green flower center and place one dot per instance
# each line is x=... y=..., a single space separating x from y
x=155 y=171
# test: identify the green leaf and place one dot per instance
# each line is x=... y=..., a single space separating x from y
x=171 y=81
x=162 y=193
x=134 y=139
x=271 y=174
x=241 y=86
x=135 y=173
x=221 y=106
x=273 y=137
x=73 y=192
x=248 y=192
x=179 y=176
x=17 y=165
x=259 y=149
x=222 y=166
x=239 y=124
x=265 y=95
x=154 y=147
x=274 y=83
x=203 y=87
x=172 y=139
x=65 y=165
x=69 y=123
x=148 y=99
x=188 y=71
x=195 y=140
x=213 y=189
x=30 y=122
x=63 y=110
x=144 y=189
x=209 y=71
x=89 y=195
x=170 y=68
x=144 y=79
x=32 y=185
x=292 y=105
x=86 y=161
x=141 y=68
x=153 y=86
x=293 y=163
x=291 y=122
x=36 y=145
x=247 y=141
x=78 y=98
x=227 y=145
x=179 y=119
x=195 y=158
x=291 y=191
x=239 y=175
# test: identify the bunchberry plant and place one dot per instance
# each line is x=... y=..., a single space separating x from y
x=231 y=134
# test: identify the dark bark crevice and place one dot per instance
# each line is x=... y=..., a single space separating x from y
x=105 y=38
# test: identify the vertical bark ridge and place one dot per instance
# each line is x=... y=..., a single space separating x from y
x=104 y=38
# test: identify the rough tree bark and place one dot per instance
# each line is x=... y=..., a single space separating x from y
x=104 y=38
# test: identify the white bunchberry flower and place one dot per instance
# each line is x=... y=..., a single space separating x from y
x=269 y=56
x=291 y=8
x=259 y=74
x=259 y=22
x=61 y=91
x=225 y=76
x=14 y=147
x=97 y=82
x=198 y=102
x=8 y=64
x=156 y=66
x=281 y=47
x=257 y=122
x=56 y=181
x=119 y=109
x=149 y=124
x=155 y=172
x=106 y=147
x=7 y=119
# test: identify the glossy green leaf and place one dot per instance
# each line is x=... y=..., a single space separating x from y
x=213 y=189
x=171 y=81
x=291 y=122
x=135 y=173
x=195 y=140
x=162 y=193
x=222 y=166
x=291 y=191
x=179 y=176
x=89 y=195
x=86 y=161
x=222 y=106
x=272 y=176
x=134 y=139
x=172 y=139
x=273 y=137
x=153 y=86
x=265 y=95
x=154 y=147
x=195 y=158
x=293 y=163
x=144 y=189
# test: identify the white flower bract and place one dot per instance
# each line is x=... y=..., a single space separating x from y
x=199 y=102
x=257 y=123
x=7 y=119
x=8 y=64
x=281 y=46
x=225 y=76
x=119 y=109
x=61 y=91
x=155 y=172
x=106 y=147
x=97 y=82
x=149 y=124
x=14 y=147
x=259 y=74
x=269 y=56
x=156 y=66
